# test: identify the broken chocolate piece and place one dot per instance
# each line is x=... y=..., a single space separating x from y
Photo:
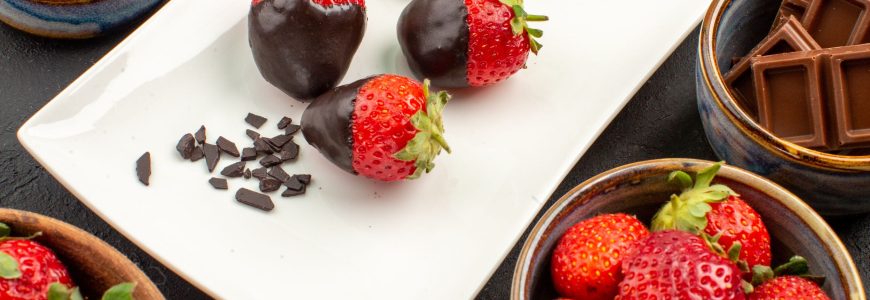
x=260 y=173
x=255 y=199
x=255 y=120
x=835 y=23
x=234 y=170
x=303 y=178
x=278 y=173
x=284 y=122
x=249 y=154
x=226 y=146
x=200 y=135
x=850 y=95
x=290 y=151
x=279 y=140
x=269 y=184
x=197 y=154
x=143 y=168
x=294 y=184
x=291 y=129
x=185 y=146
x=790 y=97
x=270 y=160
x=290 y=192
x=247 y=174
x=218 y=183
x=212 y=155
x=791 y=8
x=262 y=146
x=252 y=134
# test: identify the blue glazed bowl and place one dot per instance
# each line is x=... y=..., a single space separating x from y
x=831 y=184
x=72 y=19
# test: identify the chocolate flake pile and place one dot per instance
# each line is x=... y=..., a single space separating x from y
x=274 y=152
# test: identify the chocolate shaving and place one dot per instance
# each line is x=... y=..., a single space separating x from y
x=249 y=154
x=252 y=134
x=270 y=160
x=291 y=129
x=303 y=178
x=226 y=146
x=196 y=154
x=290 y=151
x=294 y=184
x=284 y=122
x=255 y=120
x=212 y=155
x=247 y=174
x=185 y=145
x=269 y=184
x=260 y=173
x=254 y=199
x=143 y=168
x=278 y=173
x=280 y=140
x=234 y=170
x=218 y=183
x=200 y=135
x=262 y=146
x=290 y=193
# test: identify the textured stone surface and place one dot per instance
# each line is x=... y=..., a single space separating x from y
x=661 y=121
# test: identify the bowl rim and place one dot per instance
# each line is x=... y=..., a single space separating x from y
x=725 y=101
x=833 y=245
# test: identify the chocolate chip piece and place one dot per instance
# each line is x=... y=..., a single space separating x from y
x=262 y=146
x=294 y=184
x=260 y=173
x=197 y=154
x=247 y=174
x=249 y=154
x=284 y=122
x=218 y=183
x=234 y=170
x=200 y=135
x=290 y=151
x=255 y=199
x=252 y=134
x=269 y=184
x=303 y=178
x=212 y=155
x=185 y=145
x=143 y=168
x=291 y=129
x=270 y=160
x=280 y=140
x=255 y=120
x=278 y=173
x=226 y=146
x=290 y=193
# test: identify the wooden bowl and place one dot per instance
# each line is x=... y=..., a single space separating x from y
x=641 y=188
x=94 y=265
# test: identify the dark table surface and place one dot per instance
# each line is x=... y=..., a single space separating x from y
x=660 y=121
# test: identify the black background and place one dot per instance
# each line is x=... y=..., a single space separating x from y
x=660 y=121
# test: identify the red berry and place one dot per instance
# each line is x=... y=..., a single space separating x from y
x=788 y=288
x=738 y=222
x=328 y=3
x=494 y=51
x=39 y=269
x=586 y=260
x=675 y=264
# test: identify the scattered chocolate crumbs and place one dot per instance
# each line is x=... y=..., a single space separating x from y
x=218 y=183
x=196 y=154
x=291 y=129
x=294 y=184
x=262 y=146
x=290 y=193
x=234 y=170
x=270 y=160
x=278 y=173
x=247 y=174
x=269 y=184
x=143 y=168
x=259 y=173
x=284 y=122
x=254 y=199
x=255 y=120
x=252 y=134
x=226 y=146
x=280 y=140
x=200 y=135
x=249 y=154
x=185 y=145
x=212 y=155
x=303 y=178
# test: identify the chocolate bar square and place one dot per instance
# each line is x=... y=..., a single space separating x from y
x=850 y=95
x=836 y=23
x=791 y=8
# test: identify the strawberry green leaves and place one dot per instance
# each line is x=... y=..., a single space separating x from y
x=9 y=267
x=122 y=291
x=688 y=211
x=429 y=141
x=519 y=24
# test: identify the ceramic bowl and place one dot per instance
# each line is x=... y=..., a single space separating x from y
x=94 y=265
x=832 y=184
x=72 y=19
x=641 y=188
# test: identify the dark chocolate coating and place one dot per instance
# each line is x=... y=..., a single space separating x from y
x=434 y=38
x=303 y=48
x=326 y=124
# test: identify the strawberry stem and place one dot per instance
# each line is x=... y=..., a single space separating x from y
x=519 y=24
x=429 y=141
x=688 y=211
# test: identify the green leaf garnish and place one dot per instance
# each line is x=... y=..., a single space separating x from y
x=796 y=265
x=4 y=230
x=58 y=291
x=519 y=24
x=123 y=291
x=688 y=211
x=429 y=141
x=8 y=267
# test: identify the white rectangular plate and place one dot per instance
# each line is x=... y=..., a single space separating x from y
x=439 y=237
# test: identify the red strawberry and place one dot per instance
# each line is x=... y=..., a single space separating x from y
x=790 y=288
x=586 y=260
x=37 y=268
x=304 y=47
x=461 y=43
x=675 y=264
x=716 y=211
x=385 y=127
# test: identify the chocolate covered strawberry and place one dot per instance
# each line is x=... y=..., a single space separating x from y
x=675 y=264
x=717 y=211
x=585 y=263
x=27 y=269
x=304 y=47
x=461 y=43
x=385 y=127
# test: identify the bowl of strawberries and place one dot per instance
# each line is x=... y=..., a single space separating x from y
x=44 y=258
x=683 y=229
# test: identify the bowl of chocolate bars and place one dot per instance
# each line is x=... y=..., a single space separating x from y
x=784 y=91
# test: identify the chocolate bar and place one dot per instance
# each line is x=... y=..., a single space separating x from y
x=791 y=8
x=832 y=23
x=850 y=95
